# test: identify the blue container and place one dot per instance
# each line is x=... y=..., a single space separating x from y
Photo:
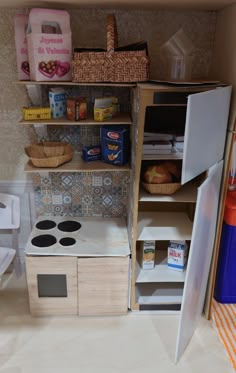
x=225 y=286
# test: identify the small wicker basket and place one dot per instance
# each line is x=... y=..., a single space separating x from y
x=49 y=154
x=169 y=188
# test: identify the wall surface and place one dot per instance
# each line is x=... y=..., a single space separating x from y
x=224 y=55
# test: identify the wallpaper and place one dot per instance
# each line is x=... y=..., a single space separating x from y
x=54 y=194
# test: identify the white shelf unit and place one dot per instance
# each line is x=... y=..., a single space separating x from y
x=161 y=226
x=161 y=272
x=187 y=193
x=159 y=294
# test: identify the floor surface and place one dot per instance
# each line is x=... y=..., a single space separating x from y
x=134 y=343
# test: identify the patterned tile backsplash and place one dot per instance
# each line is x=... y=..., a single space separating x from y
x=102 y=194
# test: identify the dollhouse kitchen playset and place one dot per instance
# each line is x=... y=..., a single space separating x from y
x=92 y=265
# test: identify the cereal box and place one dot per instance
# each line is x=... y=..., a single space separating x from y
x=115 y=144
x=22 y=59
x=49 y=45
x=57 y=101
x=177 y=255
x=148 y=254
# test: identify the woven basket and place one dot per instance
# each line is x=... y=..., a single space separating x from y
x=169 y=188
x=49 y=154
x=110 y=66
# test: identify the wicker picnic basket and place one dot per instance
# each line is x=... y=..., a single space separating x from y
x=111 y=65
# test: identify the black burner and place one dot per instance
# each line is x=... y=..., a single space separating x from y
x=44 y=240
x=67 y=241
x=46 y=224
x=69 y=226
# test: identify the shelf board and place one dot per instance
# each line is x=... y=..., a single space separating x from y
x=121 y=119
x=78 y=165
x=63 y=83
x=187 y=193
x=150 y=157
x=162 y=226
x=161 y=272
x=163 y=293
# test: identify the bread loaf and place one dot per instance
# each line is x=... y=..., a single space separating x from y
x=157 y=175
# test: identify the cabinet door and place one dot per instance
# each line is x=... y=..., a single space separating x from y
x=199 y=260
x=205 y=131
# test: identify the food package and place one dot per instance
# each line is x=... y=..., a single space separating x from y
x=22 y=59
x=91 y=153
x=57 y=101
x=49 y=45
x=177 y=255
x=148 y=254
x=115 y=144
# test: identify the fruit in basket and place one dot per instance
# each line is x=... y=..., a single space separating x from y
x=157 y=174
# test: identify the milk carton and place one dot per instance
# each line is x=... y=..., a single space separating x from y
x=177 y=255
x=49 y=45
x=20 y=25
x=57 y=101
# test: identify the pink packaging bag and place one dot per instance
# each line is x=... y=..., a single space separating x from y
x=49 y=45
x=22 y=60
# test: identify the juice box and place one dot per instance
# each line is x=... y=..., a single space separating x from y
x=148 y=254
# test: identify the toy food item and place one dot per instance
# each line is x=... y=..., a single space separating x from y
x=173 y=168
x=157 y=175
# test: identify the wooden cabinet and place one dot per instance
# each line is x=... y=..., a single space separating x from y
x=191 y=213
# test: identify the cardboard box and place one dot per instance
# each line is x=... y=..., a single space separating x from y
x=177 y=255
x=91 y=153
x=115 y=144
x=49 y=45
x=57 y=101
x=148 y=254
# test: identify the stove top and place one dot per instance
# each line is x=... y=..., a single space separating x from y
x=57 y=235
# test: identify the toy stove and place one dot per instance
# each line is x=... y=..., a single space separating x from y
x=78 y=266
x=78 y=237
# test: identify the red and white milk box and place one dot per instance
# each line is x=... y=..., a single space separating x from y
x=177 y=255
x=22 y=59
x=49 y=45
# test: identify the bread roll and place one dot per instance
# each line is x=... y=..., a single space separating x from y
x=157 y=175
x=173 y=168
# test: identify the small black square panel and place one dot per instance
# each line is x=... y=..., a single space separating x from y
x=52 y=286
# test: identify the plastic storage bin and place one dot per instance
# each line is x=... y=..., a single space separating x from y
x=225 y=287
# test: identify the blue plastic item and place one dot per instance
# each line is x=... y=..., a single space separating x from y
x=225 y=286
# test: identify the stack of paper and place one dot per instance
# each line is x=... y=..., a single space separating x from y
x=157 y=147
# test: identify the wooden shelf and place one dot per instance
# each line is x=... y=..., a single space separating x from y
x=28 y=82
x=161 y=272
x=173 y=156
x=187 y=193
x=78 y=165
x=162 y=226
x=121 y=119
x=159 y=293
